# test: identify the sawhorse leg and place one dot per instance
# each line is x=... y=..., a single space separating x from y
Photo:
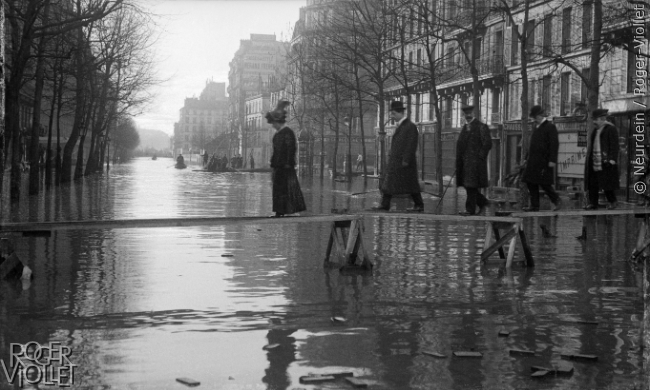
x=348 y=246
x=515 y=231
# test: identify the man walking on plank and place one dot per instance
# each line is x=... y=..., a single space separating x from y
x=402 y=172
x=601 y=170
x=474 y=144
x=541 y=160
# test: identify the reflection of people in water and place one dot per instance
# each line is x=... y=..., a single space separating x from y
x=180 y=160
x=280 y=358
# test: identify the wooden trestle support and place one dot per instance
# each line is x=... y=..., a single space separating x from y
x=346 y=239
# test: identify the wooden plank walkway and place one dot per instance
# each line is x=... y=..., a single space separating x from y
x=13 y=227
x=579 y=212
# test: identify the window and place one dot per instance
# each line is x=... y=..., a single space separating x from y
x=587 y=11
x=530 y=40
x=514 y=45
x=417 y=107
x=411 y=24
x=546 y=92
x=431 y=103
x=498 y=43
x=566 y=30
x=631 y=69
x=419 y=57
x=451 y=11
x=548 y=35
x=583 y=85
x=410 y=59
x=478 y=44
x=565 y=103
x=448 y=111
x=496 y=95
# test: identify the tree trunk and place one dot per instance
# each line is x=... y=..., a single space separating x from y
x=80 y=90
x=34 y=149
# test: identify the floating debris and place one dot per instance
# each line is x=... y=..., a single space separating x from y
x=338 y=319
x=468 y=354
x=434 y=354
x=188 y=382
x=540 y=374
x=587 y=322
x=522 y=352
x=357 y=382
x=270 y=346
x=540 y=368
x=504 y=333
x=316 y=378
x=578 y=356
x=564 y=368
x=344 y=374
x=226 y=255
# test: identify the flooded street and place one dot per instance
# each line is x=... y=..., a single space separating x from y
x=142 y=307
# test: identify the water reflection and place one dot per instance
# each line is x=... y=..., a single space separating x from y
x=141 y=307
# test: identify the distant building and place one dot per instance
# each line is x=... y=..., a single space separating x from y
x=258 y=67
x=202 y=120
x=257 y=133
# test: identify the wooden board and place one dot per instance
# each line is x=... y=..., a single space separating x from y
x=440 y=217
x=167 y=222
x=581 y=213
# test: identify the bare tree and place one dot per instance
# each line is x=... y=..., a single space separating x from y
x=26 y=27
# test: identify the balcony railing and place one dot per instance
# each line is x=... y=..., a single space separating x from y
x=495 y=117
x=490 y=66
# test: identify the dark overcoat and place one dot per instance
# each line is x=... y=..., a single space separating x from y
x=404 y=144
x=284 y=148
x=542 y=150
x=474 y=144
x=286 y=193
x=609 y=146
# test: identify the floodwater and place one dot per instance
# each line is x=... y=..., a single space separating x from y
x=142 y=307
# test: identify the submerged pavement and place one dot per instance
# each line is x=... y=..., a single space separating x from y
x=252 y=307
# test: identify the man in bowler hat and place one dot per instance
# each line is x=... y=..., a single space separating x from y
x=541 y=160
x=474 y=144
x=401 y=171
x=601 y=169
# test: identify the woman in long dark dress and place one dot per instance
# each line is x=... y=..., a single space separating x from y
x=287 y=196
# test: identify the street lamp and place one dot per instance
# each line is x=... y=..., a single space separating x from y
x=348 y=122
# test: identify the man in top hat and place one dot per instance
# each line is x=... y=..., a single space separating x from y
x=541 y=160
x=601 y=168
x=401 y=171
x=474 y=144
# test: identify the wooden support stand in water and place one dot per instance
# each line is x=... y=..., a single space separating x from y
x=348 y=239
x=513 y=231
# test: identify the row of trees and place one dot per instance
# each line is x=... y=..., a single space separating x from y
x=86 y=63
x=353 y=53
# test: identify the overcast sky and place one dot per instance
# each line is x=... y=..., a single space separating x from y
x=198 y=40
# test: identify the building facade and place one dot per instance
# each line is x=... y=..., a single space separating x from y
x=259 y=66
x=203 y=121
x=257 y=134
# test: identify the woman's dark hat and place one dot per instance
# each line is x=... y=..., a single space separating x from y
x=468 y=109
x=279 y=115
x=397 y=106
x=599 y=112
x=535 y=111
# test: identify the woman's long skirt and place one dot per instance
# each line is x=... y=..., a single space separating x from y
x=287 y=196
